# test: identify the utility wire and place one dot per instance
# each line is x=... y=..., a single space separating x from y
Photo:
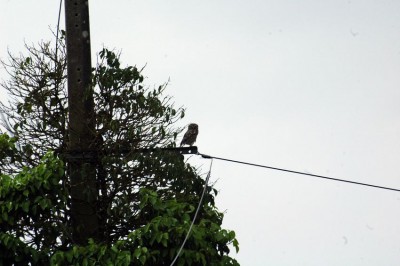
x=195 y=216
x=56 y=80
x=58 y=27
x=297 y=172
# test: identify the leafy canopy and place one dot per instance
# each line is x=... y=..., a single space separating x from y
x=145 y=201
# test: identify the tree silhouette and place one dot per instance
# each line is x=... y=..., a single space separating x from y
x=145 y=201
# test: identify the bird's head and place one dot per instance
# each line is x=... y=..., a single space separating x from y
x=193 y=126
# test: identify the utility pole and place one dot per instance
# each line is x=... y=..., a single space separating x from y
x=81 y=128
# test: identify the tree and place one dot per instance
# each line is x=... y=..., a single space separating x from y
x=145 y=200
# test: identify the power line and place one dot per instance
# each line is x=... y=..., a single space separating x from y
x=56 y=52
x=58 y=28
x=297 y=172
x=195 y=216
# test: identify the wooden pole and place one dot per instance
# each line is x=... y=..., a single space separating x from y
x=81 y=129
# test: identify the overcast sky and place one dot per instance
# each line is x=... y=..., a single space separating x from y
x=306 y=85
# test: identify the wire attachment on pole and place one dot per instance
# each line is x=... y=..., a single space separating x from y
x=205 y=156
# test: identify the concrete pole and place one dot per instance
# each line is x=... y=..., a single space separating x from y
x=82 y=172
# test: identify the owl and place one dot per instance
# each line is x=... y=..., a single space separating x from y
x=191 y=134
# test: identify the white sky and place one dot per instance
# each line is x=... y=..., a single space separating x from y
x=305 y=85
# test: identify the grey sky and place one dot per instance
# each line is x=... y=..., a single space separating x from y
x=305 y=85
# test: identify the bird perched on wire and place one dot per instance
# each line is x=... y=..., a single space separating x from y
x=191 y=134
